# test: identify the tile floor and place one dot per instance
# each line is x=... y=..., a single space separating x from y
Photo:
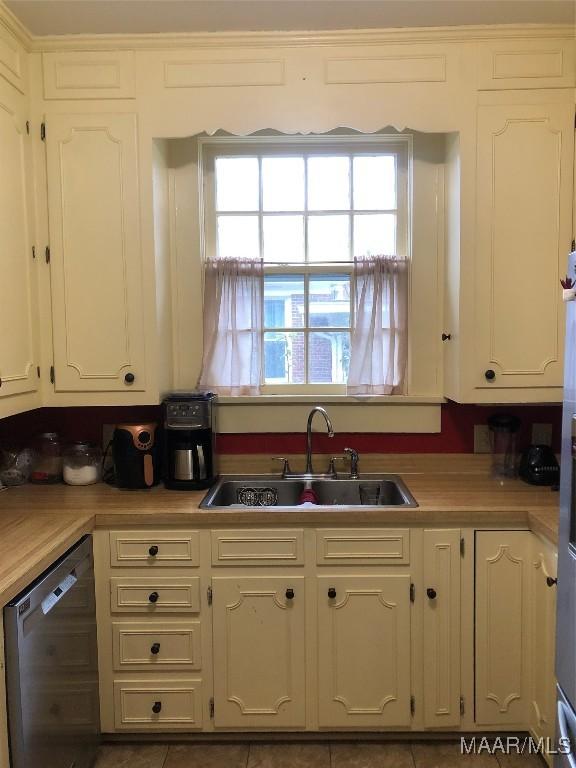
x=308 y=755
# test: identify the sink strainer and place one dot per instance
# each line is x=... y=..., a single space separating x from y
x=257 y=497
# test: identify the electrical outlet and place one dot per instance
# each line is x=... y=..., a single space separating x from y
x=542 y=434
x=482 y=438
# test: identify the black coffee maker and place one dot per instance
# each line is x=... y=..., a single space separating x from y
x=189 y=440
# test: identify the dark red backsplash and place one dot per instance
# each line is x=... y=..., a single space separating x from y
x=456 y=436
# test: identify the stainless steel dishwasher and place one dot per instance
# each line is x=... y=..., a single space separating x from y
x=52 y=666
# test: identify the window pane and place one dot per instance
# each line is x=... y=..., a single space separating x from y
x=328 y=183
x=238 y=237
x=328 y=357
x=375 y=234
x=328 y=238
x=237 y=184
x=283 y=183
x=375 y=182
x=329 y=301
x=283 y=358
x=284 y=301
x=283 y=238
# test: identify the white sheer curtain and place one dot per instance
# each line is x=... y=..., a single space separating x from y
x=233 y=301
x=378 y=345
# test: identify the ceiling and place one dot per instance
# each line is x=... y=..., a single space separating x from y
x=64 y=17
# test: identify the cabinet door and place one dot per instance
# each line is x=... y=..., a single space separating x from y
x=544 y=570
x=524 y=230
x=441 y=628
x=364 y=651
x=17 y=344
x=96 y=276
x=503 y=627
x=259 y=659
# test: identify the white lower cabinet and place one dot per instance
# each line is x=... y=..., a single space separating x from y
x=543 y=696
x=441 y=628
x=503 y=643
x=259 y=652
x=364 y=652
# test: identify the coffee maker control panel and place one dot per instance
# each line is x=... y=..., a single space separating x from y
x=188 y=414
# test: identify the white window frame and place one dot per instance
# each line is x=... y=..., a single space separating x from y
x=277 y=146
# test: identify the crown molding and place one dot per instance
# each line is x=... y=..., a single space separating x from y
x=13 y=24
x=360 y=38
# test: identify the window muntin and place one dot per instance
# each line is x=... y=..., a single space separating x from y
x=307 y=208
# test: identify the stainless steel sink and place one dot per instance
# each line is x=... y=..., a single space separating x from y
x=270 y=492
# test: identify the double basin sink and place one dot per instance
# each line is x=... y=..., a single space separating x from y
x=270 y=492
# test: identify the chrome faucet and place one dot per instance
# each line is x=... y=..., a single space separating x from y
x=316 y=409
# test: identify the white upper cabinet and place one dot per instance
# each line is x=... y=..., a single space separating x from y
x=17 y=325
x=96 y=280
x=524 y=230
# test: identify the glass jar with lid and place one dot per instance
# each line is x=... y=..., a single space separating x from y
x=47 y=466
x=81 y=464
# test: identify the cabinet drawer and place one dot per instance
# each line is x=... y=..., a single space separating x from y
x=174 y=594
x=276 y=547
x=170 y=645
x=165 y=705
x=154 y=548
x=356 y=546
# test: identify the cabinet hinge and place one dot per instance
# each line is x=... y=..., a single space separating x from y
x=28 y=127
x=412 y=705
x=462 y=710
x=38 y=370
x=209 y=595
x=212 y=709
x=33 y=251
x=43 y=131
x=412 y=593
x=47 y=254
x=574 y=244
x=52 y=375
x=462 y=546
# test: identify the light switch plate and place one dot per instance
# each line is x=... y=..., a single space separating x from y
x=482 y=438
x=542 y=434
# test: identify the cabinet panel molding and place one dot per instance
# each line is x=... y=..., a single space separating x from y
x=419 y=68
x=89 y=75
x=367 y=546
x=502 y=627
x=174 y=594
x=259 y=645
x=258 y=547
x=223 y=73
x=442 y=628
x=516 y=64
x=364 y=658
x=167 y=645
x=173 y=548
x=96 y=276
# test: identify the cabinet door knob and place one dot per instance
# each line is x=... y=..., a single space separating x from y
x=446 y=336
x=431 y=593
x=153 y=598
x=129 y=378
x=332 y=593
x=490 y=375
x=153 y=551
x=157 y=707
x=289 y=594
x=551 y=581
x=155 y=650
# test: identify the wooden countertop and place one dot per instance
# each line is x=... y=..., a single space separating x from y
x=38 y=523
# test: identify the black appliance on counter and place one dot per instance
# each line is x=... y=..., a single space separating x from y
x=539 y=466
x=137 y=455
x=190 y=461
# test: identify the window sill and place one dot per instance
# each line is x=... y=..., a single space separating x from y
x=344 y=399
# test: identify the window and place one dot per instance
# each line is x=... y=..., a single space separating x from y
x=307 y=208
